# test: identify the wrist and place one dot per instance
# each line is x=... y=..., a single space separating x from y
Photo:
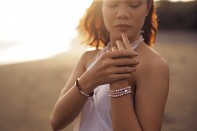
x=81 y=90
x=120 y=92
x=119 y=84
x=85 y=85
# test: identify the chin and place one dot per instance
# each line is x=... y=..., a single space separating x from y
x=118 y=35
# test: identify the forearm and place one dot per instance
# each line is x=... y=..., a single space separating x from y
x=67 y=108
x=123 y=114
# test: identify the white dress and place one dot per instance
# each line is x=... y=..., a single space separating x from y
x=96 y=113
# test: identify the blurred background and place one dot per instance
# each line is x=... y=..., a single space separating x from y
x=39 y=48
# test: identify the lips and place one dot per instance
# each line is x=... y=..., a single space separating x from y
x=123 y=27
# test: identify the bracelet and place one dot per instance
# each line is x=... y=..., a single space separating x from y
x=119 y=92
x=81 y=91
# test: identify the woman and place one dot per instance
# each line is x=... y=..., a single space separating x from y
x=124 y=86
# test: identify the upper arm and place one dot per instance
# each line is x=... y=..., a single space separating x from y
x=77 y=71
x=151 y=95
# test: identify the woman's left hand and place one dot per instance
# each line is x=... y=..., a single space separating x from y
x=122 y=45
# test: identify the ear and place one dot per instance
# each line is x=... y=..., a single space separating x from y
x=149 y=5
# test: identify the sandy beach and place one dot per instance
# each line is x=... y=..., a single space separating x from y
x=28 y=91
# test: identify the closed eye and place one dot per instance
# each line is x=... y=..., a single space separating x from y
x=134 y=5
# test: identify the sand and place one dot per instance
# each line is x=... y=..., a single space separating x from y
x=28 y=91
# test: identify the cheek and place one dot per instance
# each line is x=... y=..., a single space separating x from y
x=140 y=21
x=107 y=18
x=140 y=18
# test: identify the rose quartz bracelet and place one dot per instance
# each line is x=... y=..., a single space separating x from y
x=120 y=92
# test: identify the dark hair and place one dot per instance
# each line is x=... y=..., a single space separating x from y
x=94 y=32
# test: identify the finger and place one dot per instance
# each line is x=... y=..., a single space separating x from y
x=114 y=48
x=120 y=53
x=115 y=77
x=124 y=70
x=120 y=45
x=125 y=62
x=126 y=42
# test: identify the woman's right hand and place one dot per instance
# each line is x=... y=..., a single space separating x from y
x=109 y=67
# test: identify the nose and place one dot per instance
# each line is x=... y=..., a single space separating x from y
x=122 y=12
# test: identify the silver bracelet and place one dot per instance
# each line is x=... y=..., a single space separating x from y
x=120 y=92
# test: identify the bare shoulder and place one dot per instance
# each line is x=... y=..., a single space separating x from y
x=150 y=59
x=151 y=63
x=155 y=60
x=89 y=56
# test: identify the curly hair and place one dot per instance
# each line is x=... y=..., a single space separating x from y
x=94 y=33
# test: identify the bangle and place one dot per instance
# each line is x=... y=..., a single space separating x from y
x=81 y=91
x=119 y=92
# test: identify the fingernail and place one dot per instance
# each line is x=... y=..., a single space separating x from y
x=117 y=42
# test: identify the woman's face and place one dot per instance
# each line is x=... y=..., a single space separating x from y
x=124 y=16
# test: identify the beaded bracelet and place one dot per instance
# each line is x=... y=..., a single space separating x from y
x=119 y=92
x=81 y=91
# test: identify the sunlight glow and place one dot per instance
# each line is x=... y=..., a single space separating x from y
x=37 y=29
x=178 y=0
